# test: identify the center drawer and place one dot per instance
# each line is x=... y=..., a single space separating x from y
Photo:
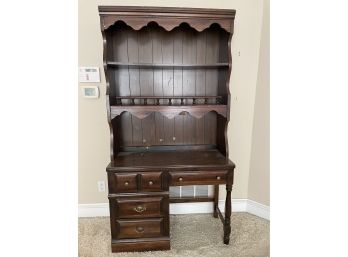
x=198 y=178
x=135 y=207
x=140 y=228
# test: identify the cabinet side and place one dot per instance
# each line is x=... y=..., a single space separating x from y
x=228 y=84
x=108 y=113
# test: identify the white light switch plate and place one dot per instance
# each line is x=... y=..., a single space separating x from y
x=89 y=74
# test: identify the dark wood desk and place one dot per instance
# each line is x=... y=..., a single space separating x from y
x=139 y=194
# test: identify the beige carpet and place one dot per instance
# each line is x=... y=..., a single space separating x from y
x=193 y=235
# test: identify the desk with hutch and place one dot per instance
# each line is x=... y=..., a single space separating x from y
x=167 y=91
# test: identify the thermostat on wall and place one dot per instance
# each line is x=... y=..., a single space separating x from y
x=90 y=91
x=89 y=74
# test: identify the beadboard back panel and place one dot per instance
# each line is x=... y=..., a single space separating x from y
x=154 y=45
x=158 y=130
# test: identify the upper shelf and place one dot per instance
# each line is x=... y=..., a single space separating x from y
x=167 y=18
x=168 y=65
x=168 y=100
x=169 y=106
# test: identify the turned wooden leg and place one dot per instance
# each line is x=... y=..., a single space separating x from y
x=227 y=223
x=216 y=200
x=228 y=208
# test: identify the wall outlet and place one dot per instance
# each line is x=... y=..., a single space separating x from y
x=101 y=186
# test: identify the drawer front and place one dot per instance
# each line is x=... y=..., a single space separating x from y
x=151 y=181
x=123 y=183
x=141 y=207
x=141 y=228
x=198 y=178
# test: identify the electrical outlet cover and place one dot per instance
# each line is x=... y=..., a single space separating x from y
x=101 y=186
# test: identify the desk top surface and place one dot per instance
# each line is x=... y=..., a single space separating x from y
x=171 y=160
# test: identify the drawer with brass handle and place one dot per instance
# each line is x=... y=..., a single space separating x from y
x=140 y=207
x=122 y=183
x=151 y=182
x=198 y=178
x=140 y=228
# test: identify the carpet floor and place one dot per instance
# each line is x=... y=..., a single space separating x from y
x=194 y=235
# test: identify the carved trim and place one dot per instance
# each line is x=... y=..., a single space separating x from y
x=167 y=23
x=228 y=87
x=170 y=112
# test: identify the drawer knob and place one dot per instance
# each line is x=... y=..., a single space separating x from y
x=150 y=182
x=140 y=208
x=126 y=183
x=218 y=177
x=139 y=229
x=180 y=179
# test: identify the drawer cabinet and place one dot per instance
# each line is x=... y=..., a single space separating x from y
x=134 y=216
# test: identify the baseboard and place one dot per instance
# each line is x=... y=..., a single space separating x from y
x=94 y=210
x=258 y=209
x=238 y=205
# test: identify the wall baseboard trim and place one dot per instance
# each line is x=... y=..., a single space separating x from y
x=238 y=205
x=93 y=210
x=258 y=209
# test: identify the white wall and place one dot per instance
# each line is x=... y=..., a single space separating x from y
x=93 y=128
x=259 y=174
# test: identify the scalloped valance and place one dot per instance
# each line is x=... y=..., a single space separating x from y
x=142 y=112
x=138 y=17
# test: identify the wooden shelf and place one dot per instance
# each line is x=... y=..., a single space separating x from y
x=168 y=97
x=177 y=99
x=170 y=111
x=168 y=65
x=170 y=159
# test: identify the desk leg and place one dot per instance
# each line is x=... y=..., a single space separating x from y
x=216 y=200
x=227 y=223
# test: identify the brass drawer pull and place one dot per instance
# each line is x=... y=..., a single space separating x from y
x=139 y=229
x=126 y=183
x=139 y=208
x=150 y=182
x=218 y=177
x=180 y=179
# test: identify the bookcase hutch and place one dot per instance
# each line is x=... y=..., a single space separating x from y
x=167 y=91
